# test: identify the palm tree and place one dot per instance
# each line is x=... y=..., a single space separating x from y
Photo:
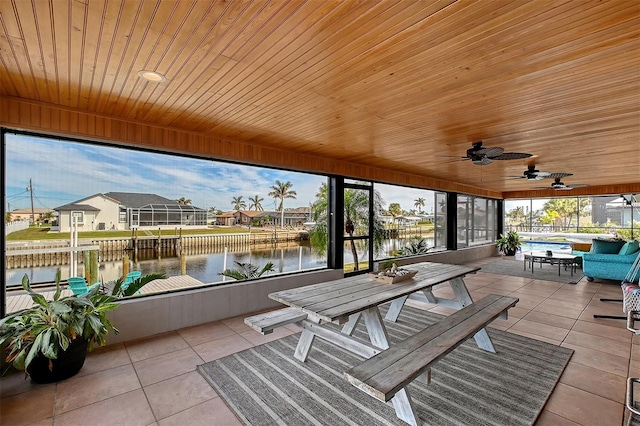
x=48 y=217
x=238 y=203
x=280 y=191
x=183 y=201
x=356 y=219
x=246 y=271
x=255 y=202
x=356 y=211
x=395 y=209
x=419 y=204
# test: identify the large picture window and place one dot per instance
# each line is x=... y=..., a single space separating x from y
x=477 y=221
x=161 y=213
x=612 y=216
x=414 y=220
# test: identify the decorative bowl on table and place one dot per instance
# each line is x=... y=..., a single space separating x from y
x=393 y=275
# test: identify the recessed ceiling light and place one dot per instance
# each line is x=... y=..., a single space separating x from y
x=156 y=77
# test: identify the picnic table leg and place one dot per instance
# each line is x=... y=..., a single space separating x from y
x=464 y=298
x=304 y=345
x=395 y=308
x=404 y=407
x=350 y=325
x=375 y=328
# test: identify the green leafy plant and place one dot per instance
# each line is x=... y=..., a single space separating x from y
x=247 y=271
x=384 y=265
x=414 y=246
x=114 y=288
x=509 y=243
x=49 y=326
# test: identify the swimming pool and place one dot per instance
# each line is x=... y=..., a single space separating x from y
x=561 y=247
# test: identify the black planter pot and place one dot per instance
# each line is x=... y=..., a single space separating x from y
x=68 y=364
x=510 y=253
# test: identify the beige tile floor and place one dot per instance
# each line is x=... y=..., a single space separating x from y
x=154 y=382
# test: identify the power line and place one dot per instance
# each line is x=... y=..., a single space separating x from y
x=41 y=203
x=15 y=195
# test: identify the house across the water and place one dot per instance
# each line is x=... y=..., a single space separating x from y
x=294 y=217
x=125 y=211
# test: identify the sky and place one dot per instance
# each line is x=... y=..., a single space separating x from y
x=63 y=172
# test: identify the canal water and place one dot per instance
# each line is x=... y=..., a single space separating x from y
x=203 y=267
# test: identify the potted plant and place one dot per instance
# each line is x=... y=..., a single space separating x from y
x=509 y=243
x=50 y=339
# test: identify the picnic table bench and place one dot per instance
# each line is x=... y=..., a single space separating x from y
x=265 y=323
x=386 y=375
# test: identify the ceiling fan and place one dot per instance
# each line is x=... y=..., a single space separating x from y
x=534 y=174
x=481 y=156
x=560 y=186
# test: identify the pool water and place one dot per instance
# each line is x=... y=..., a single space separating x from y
x=559 y=247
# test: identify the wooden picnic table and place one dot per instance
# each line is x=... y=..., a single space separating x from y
x=346 y=300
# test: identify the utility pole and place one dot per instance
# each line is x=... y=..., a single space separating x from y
x=30 y=189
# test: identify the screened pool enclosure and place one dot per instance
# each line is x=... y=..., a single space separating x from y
x=151 y=215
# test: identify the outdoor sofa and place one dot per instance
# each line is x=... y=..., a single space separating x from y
x=609 y=259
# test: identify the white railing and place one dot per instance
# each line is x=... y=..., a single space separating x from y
x=15 y=226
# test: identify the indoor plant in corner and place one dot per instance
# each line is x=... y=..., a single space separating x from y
x=50 y=339
x=509 y=243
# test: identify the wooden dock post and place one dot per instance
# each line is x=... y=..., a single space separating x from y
x=94 y=268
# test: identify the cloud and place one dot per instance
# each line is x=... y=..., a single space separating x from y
x=63 y=172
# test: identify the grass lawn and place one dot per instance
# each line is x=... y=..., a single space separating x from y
x=43 y=233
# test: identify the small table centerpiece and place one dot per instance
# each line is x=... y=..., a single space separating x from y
x=393 y=275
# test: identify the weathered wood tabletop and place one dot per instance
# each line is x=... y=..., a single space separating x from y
x=346 y=300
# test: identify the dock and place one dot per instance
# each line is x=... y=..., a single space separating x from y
x=21 y=300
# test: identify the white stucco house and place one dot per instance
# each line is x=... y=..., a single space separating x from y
x=125 y=211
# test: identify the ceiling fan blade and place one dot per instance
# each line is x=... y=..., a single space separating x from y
x=490 y=152
x=512 y=156
x=558 y=175
x=577 y=185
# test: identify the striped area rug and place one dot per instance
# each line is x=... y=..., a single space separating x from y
x=266 y=385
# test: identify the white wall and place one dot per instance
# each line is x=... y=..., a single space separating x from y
x=142 y=317
x=108 y=213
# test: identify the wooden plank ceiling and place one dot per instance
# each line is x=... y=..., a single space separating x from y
x=397 y=84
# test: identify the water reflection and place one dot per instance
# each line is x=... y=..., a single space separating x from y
x=203 y=267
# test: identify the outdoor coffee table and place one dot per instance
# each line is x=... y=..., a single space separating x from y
x=542 y=257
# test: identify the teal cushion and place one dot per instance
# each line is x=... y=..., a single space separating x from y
x=606 y=246
x=629 y=247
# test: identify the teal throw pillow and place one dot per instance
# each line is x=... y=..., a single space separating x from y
x=606 y=246
x=629 y=247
